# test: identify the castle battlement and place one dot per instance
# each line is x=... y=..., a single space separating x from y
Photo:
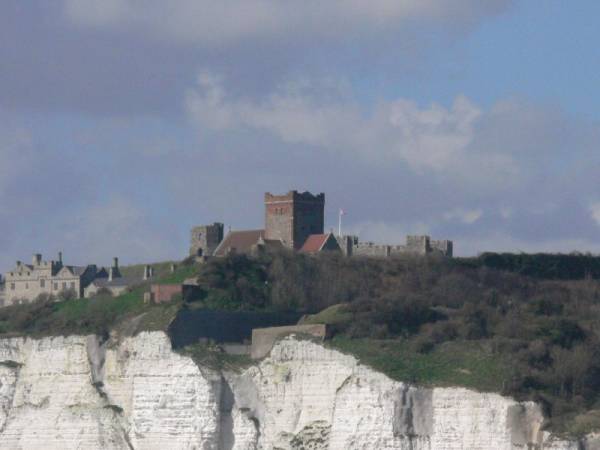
x=294 y=196
x=293 y=217
x=416 y=245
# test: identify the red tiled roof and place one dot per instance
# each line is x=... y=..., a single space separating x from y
x=241 y=241
x=314 y=243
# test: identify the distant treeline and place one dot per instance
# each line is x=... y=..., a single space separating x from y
x=550 y=266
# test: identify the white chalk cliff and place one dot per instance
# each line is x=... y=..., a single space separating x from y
x=75 y=393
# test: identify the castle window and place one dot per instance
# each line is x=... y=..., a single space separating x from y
x=64 y=285
x=73 y=285
x=12 y=286
x=56 y=286
x=26 y=285
x=42 y=283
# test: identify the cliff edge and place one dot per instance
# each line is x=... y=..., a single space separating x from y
x=79 y=393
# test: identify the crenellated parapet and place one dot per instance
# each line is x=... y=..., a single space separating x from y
x=291 y=218
x=415 y=245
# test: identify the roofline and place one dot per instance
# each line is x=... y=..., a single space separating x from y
x=229 y=233
x=327 y=236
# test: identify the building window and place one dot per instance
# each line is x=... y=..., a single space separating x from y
x=42 y=283
x=73 y=285
x=64 y=285
x=12 y=286
x=26 y=285
x=56 y=286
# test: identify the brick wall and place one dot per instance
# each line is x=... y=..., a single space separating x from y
x=293 y=217
x=279 y=218
x=163 y=293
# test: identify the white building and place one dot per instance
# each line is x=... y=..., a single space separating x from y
x=26 y=282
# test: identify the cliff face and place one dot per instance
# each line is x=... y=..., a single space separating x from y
x=73 y=393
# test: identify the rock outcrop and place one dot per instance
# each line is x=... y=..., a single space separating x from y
x=78 y=393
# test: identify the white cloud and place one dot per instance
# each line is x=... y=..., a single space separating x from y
x=292 y=114
x=595 y=212
x=466 y=216
x=433 y=139
x=216 y=22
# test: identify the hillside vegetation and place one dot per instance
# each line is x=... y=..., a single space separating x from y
x=514 y=324
x=49 y=316
x=441 y=322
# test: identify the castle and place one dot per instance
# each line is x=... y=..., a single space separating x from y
x=296 y=221
x=293 y=221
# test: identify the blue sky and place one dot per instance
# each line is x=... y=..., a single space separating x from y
x=121 y=126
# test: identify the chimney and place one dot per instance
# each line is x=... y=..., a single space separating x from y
x=60 y=257
x=146 y=272
x=37 y=259
x=114 y=271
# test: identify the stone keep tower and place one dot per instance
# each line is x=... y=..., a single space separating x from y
x=205 y=239
x=293 y=217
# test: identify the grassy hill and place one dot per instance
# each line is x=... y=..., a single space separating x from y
x=100 y=314
x=436 y=322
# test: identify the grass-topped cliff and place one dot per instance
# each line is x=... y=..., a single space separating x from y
x=480 y=323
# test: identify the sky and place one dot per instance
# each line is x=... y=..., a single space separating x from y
x=124 y=123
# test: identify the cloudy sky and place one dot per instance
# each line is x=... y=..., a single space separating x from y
x=125 y=122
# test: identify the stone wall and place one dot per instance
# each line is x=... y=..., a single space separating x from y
x=279 y=218
x=371 y=249
x=417 y=245
x=293 y=217
x=444 y=247
x=309 y=216
x=263 y=339
x=205 y=239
